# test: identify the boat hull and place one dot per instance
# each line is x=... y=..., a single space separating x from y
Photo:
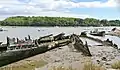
x=15 y=55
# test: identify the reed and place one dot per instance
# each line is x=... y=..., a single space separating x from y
x=116 y=65
x=31 y=65
x=91 y=66
x=62 y=68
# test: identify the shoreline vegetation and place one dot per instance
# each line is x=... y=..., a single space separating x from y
x=56 y=21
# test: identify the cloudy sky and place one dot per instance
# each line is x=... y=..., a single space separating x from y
x=101 y=9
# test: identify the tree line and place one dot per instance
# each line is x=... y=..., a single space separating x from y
x=56 y=21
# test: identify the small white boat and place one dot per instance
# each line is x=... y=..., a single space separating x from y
x=1 y=29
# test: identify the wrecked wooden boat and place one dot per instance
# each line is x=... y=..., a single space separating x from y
x=97 y=33
x=110 y=43
x=14 y=51
x=79 y=46
x=44 y=39
x=114 y=32
x=50 y=38
x=105 y=42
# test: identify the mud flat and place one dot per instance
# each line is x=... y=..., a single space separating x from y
x=65 y=56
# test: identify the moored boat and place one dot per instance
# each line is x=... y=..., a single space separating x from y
x=1 y=29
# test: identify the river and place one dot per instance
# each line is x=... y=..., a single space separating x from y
x=22 y=32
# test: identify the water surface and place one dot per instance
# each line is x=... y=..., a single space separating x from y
x=22 y=32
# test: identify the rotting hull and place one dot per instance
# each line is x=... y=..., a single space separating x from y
x=15 y=55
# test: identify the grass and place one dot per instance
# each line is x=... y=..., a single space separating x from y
x=87 y=66
x=116 y=65
x=62 y=68
x=26 y=66
x=91 y=66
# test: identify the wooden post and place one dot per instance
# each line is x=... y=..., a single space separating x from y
x=8 y=41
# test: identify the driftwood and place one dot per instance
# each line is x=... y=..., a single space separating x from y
x=79 y=46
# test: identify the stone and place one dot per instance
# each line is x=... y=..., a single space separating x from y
x=104 y=58
x=98 y=61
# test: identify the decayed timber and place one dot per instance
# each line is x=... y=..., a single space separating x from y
x=3 y=47
x=14 y=54
x=20 y=50
x=46 y=38
x=114 y=32
x=79 y=46
x=106 y=42
x=59 y=36
x=83 y=34
x=50 y=38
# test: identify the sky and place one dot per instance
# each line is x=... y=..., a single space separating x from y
x=99 y=9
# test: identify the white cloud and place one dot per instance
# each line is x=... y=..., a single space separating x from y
x=55 y=4
x=49 y=7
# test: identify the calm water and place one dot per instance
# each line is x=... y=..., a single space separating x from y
x=22 y=32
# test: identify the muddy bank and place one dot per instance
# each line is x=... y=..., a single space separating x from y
x=65 y=56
